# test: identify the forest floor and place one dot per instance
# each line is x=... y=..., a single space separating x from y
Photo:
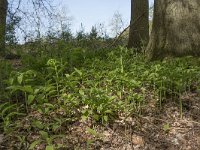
x=154 y=130
x=157 y=128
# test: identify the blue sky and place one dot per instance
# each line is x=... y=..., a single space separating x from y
x=87 y=12
x=91 y=12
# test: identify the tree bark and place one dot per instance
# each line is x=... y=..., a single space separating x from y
x=139 y=24
x=3 y=14
x=176 y=29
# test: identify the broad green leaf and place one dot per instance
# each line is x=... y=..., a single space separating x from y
x=38 y=124
x=67 y=75
x=11 y=81
x=49 y=147
x=55 y=127
x=30 y=99
x=84 y=117
x=96 y=117
x=6 y=109
x=46 y=110
x=44 y=134
x=108 y=111
x=91 y=131
x=49 y=105
x=36 y=91
x=105 y=118
x=32 y=146
x=78 y=71
x=52 y=92
x=166 y=127
x=49 y=88
x=20 y=78
x=15 y=113
x=14 y=88
x=27 y=88
x=4 y=105
x=81 y=92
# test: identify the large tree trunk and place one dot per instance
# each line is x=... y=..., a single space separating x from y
x=139 y=25
x=3 y=14
x=176 y=29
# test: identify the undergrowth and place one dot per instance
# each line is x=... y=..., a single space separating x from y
x=48 y=93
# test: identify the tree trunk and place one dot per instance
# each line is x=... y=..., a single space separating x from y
x=139 y=25
x=3 y=14
x=176 y=29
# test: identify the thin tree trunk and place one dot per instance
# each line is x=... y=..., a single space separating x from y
x=3 y=14
x=139 y=25
x=176 y=29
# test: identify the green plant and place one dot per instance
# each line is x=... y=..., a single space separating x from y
x=23 y=83
x=45 y=137
x=8 y=112
x=166 y=127
x=97 y=86
x=5 y=70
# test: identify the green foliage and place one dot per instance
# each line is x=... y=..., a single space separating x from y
x=166 y=127
x=100 y=87
x=8 y=112
x=5 y=70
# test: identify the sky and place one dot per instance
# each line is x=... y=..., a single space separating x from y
x=85 y=12
x=91 y=12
